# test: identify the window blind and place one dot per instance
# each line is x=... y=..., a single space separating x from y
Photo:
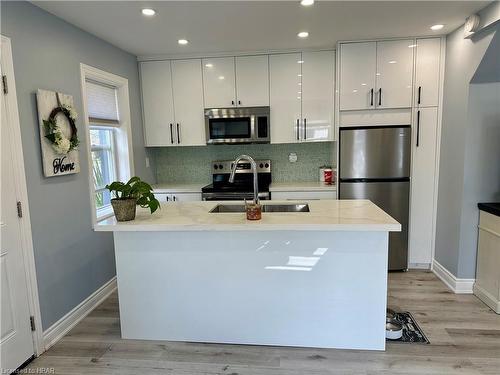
x=102 y=103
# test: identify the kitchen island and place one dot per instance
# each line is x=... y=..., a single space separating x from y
x=312 y=279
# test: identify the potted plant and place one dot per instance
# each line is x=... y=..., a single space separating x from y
x=130 y=194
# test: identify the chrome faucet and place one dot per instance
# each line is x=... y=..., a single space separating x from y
x=253 y=167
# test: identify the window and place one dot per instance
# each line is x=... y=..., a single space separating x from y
x=107 y=118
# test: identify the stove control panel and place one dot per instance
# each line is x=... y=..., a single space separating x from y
x=224 y=166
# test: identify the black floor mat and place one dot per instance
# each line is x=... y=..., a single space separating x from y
x=412 y=333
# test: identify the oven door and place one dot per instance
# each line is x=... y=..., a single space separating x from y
x=229 y=130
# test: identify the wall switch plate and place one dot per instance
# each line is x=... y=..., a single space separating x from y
x=292 y=157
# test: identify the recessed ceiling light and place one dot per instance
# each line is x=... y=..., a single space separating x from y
x=183 y=41
x=303 y=34
x=437 y=27
x=209 y=65
x=221 y=77
x=148 y=12
x=306 y=3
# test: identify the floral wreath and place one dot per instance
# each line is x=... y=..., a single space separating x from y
x=53 y=133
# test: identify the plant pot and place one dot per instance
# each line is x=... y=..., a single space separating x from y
x=124 y=208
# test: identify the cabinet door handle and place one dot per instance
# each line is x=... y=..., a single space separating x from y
x=178 y=135
x=418 y=128
x=173 y=198
x=380 y=96
x=419 y=94
x=297 y=130
x=168 y=199
x=232 y=102
x=305 y=129
x=171 y=134
x=239 y=102
x=371 y=98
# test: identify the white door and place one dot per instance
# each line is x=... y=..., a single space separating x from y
x=219 y=82
x=285 y=72
x=187 y=87
x=427 y=72
x=394 y=74
x=158 y=107
x=423 y=184
x=16 y=339
x=357 y=75
x=317 y=95
x=252 y=81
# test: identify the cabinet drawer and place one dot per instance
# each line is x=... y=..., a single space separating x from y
x=305 y=195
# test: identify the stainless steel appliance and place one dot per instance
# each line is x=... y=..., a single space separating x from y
x=374 y=164
x=237 y=125
x=242 y=188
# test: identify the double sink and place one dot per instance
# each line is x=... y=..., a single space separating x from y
x=232 y=208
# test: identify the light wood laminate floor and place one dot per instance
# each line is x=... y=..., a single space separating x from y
x=464 y=335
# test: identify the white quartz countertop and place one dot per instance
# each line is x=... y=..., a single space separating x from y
x=178 y=188
x=324 y=215
x=301 y=186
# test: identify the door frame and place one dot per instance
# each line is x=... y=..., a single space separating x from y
x=22 y=192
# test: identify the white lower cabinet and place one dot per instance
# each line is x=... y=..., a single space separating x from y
x=305 y=195
x=178 y=197
x=422 y=205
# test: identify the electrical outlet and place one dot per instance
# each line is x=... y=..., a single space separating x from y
x=292 y=157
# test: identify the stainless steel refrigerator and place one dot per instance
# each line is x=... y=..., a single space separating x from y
x=374 y=164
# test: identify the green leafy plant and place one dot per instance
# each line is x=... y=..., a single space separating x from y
x=136 y=189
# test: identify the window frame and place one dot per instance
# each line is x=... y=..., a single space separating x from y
x=122 y=134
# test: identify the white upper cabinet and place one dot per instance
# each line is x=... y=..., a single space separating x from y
x=252 y=81
x=317 y=88
x=394 y=74
x=285 y=74
x=219 y=84
x=157 y=103
x=357 y=75
x=187 y=87
x=428 y=53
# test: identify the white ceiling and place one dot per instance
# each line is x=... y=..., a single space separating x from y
x=236 y=26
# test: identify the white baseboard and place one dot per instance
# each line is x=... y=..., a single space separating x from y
x=487 y=298
x=458 y=286
x=60 y=328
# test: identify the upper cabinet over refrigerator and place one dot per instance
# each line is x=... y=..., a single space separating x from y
x=427 y=71
x=376 y=75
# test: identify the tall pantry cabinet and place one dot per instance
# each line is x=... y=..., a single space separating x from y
x=424 y=150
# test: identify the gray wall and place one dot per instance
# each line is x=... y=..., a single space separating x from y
x=193 y=164
x=72 y=261
x=456 y=226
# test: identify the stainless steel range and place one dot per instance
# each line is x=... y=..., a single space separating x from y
x=242 y=188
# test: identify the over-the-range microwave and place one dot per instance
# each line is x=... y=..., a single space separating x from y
x=237 y=125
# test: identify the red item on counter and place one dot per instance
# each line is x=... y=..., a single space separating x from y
x=328 y=173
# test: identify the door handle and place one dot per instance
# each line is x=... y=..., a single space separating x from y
x=380 y=96
x=418 y=128
x=305 y=129
x=178 y=135
x=419 y=94
x=171 y=134
x=297 y=129
x=371 y=98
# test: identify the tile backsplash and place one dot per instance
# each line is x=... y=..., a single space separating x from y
x=193 y=164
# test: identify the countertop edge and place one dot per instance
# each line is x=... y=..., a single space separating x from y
x=491 y=208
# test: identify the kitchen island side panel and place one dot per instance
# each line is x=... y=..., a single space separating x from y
x=290 y=288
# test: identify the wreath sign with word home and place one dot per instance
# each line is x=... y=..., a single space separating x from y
x=58 y=133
